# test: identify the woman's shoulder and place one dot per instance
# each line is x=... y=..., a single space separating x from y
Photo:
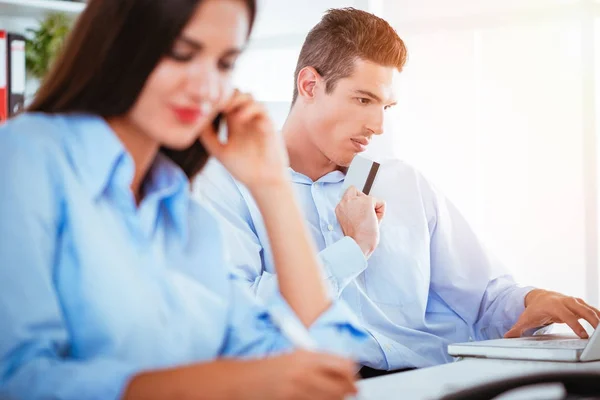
x=32 y=150
x=35 y=131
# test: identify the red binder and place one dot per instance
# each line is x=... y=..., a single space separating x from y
x=3 y=76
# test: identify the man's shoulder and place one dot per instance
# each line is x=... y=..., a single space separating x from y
x=397 y=177
x=401 y=171
x=216 y=187
x=214 y=170
x=398 y=165
x=214 y=177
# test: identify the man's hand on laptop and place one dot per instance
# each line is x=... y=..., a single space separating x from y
x=359 y=216
x=543 y=307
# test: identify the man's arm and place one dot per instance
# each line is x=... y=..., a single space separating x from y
x=249 y=251
x=477 y=287
x=464 y=274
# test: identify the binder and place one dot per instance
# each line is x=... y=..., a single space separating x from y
x=3 y=76
x=16 y=74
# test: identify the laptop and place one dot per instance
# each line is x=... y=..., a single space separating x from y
x=541 y=347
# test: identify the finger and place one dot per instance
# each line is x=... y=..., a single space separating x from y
x=515 y=332
x=335 y=364
x=237 y=99
x=585 y=312
x=379 y=204
x=249 y=111
x=300 y=392
x=523 y=323
x=379 y=209
x=595 y=310
x=592 y=313
x=211 y=142
x=351 y=192
x=340 y=372
x=581 y=301
x=325 y=386
x=573 y=321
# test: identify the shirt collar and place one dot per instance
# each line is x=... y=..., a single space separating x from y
x=103 y=161
x=332 y=177
x=99 y=155
x=168 y=184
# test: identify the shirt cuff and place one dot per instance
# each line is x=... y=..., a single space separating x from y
x=519 y=298
x=336 y=331
x=343 y=261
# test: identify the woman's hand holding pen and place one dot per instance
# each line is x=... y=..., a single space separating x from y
x=300 y=375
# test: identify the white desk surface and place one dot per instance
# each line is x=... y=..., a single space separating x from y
x=434 y=382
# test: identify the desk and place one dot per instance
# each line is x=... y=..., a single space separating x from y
x=434 y=382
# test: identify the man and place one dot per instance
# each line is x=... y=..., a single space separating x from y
x=417 y=278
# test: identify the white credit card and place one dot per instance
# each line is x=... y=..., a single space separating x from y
x=361 y=174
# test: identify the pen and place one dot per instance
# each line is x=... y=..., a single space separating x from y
x=299 y=337
x=294 y=332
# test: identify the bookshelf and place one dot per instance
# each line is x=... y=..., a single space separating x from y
x=38 y=9
x=18 y=16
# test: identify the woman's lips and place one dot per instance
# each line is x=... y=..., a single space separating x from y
x=187 y=115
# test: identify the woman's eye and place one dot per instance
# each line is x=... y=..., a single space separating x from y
x=182 y=56
x=363 y=100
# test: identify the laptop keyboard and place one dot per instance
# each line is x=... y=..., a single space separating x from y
x=563 y=344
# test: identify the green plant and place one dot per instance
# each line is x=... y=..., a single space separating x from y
x=45 y=42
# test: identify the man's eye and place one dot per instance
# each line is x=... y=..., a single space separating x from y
x=226 y=66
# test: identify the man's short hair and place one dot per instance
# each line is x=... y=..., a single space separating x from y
x=344 y=35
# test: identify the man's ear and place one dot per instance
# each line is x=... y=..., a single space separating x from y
x=308 y=81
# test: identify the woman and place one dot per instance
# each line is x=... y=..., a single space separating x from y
x=112 y=282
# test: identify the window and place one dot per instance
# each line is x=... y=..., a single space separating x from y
x=498 y=106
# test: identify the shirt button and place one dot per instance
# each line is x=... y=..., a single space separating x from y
x=330 y=228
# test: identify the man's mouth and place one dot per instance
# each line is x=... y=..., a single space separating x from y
x=360 y=144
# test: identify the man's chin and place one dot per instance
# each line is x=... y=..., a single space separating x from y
x=346 y=161
x=341 y=160
x=343 y=166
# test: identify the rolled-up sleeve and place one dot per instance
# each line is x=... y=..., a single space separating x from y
x=252 y=331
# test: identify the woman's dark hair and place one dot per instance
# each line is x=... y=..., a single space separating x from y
x=110 y=53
